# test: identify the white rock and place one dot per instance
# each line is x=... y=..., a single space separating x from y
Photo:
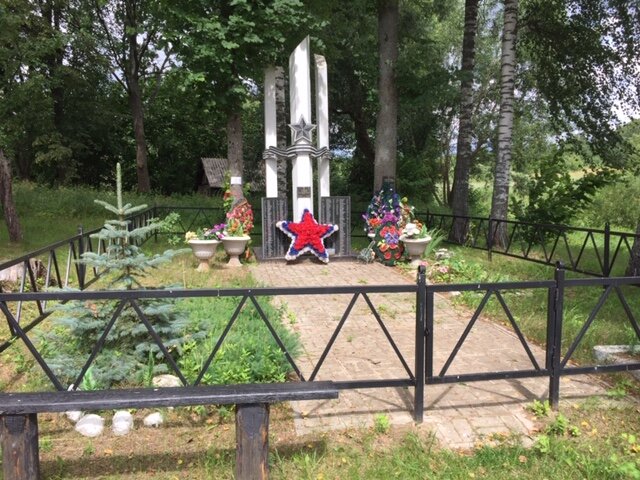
x=74 y=415
x=90 y=425
x=166 y=380
x=153 y=420
x=122 y=423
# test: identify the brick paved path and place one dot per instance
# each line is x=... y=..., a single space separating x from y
x=459 y=414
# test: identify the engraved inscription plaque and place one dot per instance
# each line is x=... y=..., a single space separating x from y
x=337 y=210
x=274 y=241
x=304 y=192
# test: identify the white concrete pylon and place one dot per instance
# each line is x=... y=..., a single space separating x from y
x=300 y=110
x=270 y=131
x=322 y=121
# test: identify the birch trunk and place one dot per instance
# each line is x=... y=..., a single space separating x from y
x=500 y=199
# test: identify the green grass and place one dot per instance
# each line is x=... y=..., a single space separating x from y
x=529 y=307
x=48 y=215
x=590 y=441
x=593 y=440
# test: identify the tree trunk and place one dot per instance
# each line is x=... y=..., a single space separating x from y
x=460 y=191
x=137 y=113
x=234 y=153
x=281 y=128
x=52 y=12
x=6 y=196
x=387 y=121
x=500 y=200
x=633 y=268
x=132 y=74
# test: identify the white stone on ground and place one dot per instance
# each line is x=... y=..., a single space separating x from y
x=122 y=423
x=90 y=425
x=74 y=415
x=153 y=420
x=166 y=380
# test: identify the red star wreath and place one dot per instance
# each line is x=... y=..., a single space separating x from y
x=307 y=236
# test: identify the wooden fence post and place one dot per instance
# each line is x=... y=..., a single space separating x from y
x=252 y=441
x=19 y=439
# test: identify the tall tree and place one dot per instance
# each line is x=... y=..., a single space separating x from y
x=387 y=120
x=225 y=46
x=502 y=177
x=131 y=33
x=6 y=198
x=460 y=191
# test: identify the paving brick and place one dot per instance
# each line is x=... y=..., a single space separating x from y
x=458 y=414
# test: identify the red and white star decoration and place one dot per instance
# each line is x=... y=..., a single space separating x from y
x=307 y=235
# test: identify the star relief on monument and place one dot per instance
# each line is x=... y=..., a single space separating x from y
x=301 y=131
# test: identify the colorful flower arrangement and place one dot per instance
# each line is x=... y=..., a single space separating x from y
x=214 y=233
x=239 y=223
x=239 y=220
x=415 y=230
x=385 y=220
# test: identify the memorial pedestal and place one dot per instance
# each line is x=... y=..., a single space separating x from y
x=337 y=210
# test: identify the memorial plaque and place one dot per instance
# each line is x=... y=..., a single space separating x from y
x=337 y=210
x=274 y=242
x=304 y=192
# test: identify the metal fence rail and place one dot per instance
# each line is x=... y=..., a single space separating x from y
x=420 y=374
x=588 y=251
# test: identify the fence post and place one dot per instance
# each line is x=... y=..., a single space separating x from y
x=418 y=406
x=252 y=441
x=490 y=240
x=607 y=250
x=19 y=434
x=555 y=354
x=81 y=267
x=429 y=335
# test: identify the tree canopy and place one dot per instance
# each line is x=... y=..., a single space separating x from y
x=78 y=78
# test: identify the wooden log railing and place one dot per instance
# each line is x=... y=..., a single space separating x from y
x=19 y=420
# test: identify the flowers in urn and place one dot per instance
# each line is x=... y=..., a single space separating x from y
x=204 y=243
x=214 y=233
x=415 y=230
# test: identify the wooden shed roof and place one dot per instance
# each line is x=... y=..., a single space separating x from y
x=215 y=169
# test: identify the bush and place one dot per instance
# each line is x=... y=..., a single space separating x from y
x=610 y=205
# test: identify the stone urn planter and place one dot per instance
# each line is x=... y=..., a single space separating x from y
x=203 y=250
x=235 y=246
x=415 y=247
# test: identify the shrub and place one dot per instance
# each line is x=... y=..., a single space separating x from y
x=128 y=346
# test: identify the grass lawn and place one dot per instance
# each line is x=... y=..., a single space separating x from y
x=594 y=439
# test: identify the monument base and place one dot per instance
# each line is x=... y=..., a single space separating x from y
x=337 y=210
x=274 y=242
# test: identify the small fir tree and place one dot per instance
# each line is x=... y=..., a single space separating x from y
x=129 y=353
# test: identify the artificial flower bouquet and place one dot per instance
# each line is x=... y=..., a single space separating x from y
x=239 y=220
x=214 y=233
x=415 y=230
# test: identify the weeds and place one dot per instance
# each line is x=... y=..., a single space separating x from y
x=381 y=423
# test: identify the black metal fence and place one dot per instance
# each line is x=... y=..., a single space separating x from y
x=589 y=251
x=417 y=374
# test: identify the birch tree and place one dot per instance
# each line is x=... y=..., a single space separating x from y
x=500 y=199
